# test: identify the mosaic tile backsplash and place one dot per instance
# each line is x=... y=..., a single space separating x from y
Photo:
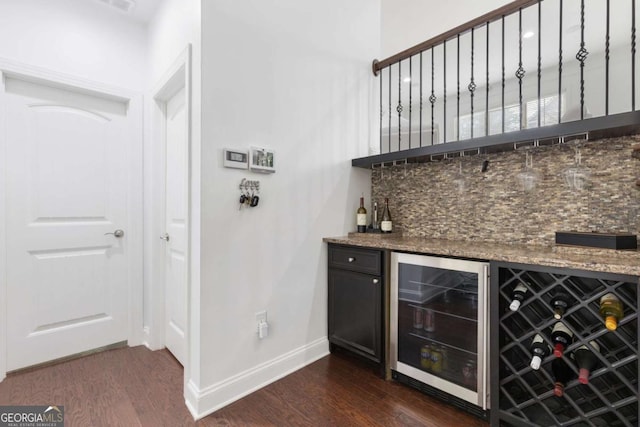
x=523 y=197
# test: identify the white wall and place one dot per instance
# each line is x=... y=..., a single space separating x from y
x=293 y=76
x=175 y=24
x=405 y=23
x=74 y=37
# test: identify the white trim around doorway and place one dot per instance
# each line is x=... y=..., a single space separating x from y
x=176 y=77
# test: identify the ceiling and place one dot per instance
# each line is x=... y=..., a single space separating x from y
x=145 y=10
x=142 y=12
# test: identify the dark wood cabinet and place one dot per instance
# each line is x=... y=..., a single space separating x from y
x=356 y=302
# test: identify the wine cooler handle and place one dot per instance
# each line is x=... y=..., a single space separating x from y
x=351 y=259
x=485 y=341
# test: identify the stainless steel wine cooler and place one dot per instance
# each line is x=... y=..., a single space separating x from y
x=438 y=327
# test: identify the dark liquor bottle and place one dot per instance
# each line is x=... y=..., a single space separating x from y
x=539 y=349
x=559 y=304
x=517 y=296
x=562 y=374
x=561 y=337
x=586 y=361
x=386 y=226
x=361 y=217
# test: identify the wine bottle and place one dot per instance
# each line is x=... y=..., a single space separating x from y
x=517 y=296
x=562 y=374
x=559 y=304
x=586 y=361
x=361 y=217
x=385 y=224
x=374 y=217
x=539 y=350
x=611 y=309
x=561 y=337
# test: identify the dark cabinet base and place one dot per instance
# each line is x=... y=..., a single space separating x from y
x=377 y=367
x=356 y=303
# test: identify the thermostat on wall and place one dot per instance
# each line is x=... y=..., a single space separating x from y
x=236 y=159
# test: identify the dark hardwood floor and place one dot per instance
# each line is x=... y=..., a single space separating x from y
x=138 y=387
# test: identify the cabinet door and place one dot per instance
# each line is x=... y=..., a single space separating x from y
x=355 y=312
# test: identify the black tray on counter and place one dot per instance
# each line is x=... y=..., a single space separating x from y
x=619 y=241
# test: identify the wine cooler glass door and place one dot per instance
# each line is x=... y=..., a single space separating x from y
x=438 y=317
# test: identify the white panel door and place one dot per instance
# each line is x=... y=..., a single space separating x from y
x=66 y=175
x=175 y=226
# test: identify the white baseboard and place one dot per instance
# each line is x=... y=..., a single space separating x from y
x=208 y=400
x=149 y=341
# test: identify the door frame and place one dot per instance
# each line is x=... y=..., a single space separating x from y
x=134 y=227
x=176 y=77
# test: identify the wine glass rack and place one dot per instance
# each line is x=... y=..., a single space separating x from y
x=522 y=396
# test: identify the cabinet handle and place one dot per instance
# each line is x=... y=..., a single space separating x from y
x=375 y=281
x=351 y=259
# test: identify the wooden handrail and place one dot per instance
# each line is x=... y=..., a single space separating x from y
x=494 y=15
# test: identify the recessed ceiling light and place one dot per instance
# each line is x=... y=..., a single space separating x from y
x=121 y=5
x=528 y=35
x=406 y=79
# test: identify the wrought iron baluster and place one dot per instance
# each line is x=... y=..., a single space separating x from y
x=486 y=101
x=444 y=94
x=410 y=98
x=381 y=113
x=458 y=90
x=606 y=60
x=390 y=68
x=399 y=107
x=560 y=65
x=581 y=56
x=633 y=55
x=432 y=98
x=472 y=85
x=539 y=61
x=520 y=72
x=420 y=99
x=503 y=74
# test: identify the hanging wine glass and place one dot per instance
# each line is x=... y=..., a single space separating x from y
x=577 y=177
x=528 y=177
x=460 y=180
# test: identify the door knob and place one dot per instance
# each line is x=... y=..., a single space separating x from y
x=165 y=237
x=118 y=233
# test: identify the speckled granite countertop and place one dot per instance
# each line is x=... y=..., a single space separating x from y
x=602 y=260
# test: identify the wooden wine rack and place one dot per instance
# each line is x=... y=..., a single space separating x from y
x=521 y=396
